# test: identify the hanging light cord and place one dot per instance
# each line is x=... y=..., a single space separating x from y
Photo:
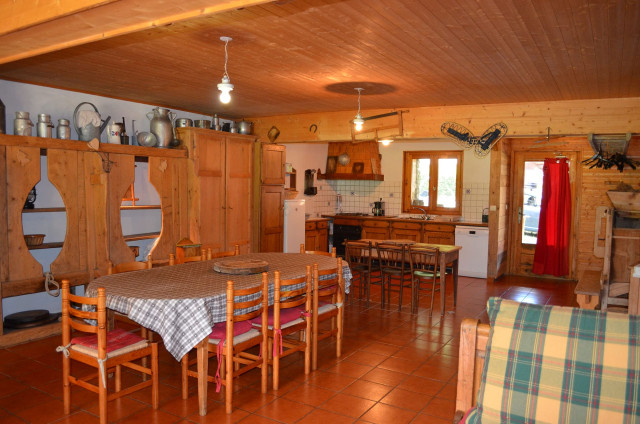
x=359 y=91
x=226 y=57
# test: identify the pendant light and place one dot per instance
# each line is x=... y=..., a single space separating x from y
x=225 y=86
x=358 y=122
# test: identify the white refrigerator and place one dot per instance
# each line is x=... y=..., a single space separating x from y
x=293 y=225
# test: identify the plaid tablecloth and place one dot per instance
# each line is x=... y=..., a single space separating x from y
x=183 y=302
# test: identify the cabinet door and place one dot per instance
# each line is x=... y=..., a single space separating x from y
x=273 y=158
x=323 y=240
x=239 y=193
x=375 y=233
x=311 y=240
x=405 y=231
x=272 y=219
x=208 y=196
x=438 y=237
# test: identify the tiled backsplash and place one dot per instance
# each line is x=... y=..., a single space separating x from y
x=358 y=196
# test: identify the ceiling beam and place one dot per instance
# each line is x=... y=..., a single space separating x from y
x=570 y=117
x=38 y=29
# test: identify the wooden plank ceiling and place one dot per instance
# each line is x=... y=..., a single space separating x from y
x=285 y=55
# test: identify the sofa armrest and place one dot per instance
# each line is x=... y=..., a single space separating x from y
x=473 y=344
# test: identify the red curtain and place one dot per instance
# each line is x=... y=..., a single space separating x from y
x=552 y=248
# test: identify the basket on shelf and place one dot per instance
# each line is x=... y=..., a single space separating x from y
x=290 y=194
x=33 y=239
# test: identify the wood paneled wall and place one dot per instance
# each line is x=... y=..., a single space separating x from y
x=574 y=117
x=500 y=183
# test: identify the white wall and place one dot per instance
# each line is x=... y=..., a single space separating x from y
x=61 y=104
x=358 y=196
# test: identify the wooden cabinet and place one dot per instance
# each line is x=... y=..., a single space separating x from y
x=375 y=229
x=406 y=231
x=316 y=235
x=271 y=218
x=438 y=234
x=272 y=169
x=270 y=161
x=220 y=188
x=91 y=186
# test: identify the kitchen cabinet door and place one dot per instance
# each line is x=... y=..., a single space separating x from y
x=323 y=236
x=375 y=229
x=406 y=231
x=439 y=237
x=272 y=169
x=272 y=218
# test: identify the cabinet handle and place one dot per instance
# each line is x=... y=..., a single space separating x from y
x=230 y=208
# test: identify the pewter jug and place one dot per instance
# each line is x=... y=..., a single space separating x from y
x=161 y=126
x=22 y=125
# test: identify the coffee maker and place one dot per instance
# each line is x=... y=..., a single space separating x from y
x=378 y=208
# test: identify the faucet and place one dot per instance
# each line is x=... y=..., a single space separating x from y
x=424 y=213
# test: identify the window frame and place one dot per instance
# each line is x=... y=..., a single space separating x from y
x=433 y=155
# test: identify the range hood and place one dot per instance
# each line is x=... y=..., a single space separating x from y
x=353 y=161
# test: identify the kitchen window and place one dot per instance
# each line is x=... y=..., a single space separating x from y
x=432 y=182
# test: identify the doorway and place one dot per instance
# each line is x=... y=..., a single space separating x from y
x=526 y=199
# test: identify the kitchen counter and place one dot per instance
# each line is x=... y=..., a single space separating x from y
x=409 y=220
x=317 y=219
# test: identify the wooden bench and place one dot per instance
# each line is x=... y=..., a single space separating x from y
x=588 y=289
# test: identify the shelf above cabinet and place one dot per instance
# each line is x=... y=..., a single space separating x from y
x=52 y=245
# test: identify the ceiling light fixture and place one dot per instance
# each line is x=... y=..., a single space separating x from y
x=385 y=141
x=358 y=121
x=225 y=86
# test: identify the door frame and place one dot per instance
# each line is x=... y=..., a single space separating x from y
x=524 y=152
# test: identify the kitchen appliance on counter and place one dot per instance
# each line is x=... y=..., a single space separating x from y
x=378 y=208
x=294 y=217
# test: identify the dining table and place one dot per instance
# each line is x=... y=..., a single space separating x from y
x=449 y=255
x=183 y=302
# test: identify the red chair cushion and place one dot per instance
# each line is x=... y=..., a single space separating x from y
x=116 y=339
x=219 y=330
x=286 y=315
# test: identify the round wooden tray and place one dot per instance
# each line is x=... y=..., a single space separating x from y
x=245 y=266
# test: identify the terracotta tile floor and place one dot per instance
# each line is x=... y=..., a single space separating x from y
x=395 y=368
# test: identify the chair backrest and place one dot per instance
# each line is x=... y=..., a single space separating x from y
x=290 y=293
x=234 y=252
x=392 y=256
x=73 y=317
x=204 y=256
x=318 y=252
x=246 y=304
x=424 y=258
x=328 y=283
x=357 y=253
x=129 y=266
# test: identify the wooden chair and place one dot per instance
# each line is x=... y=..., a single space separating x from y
x=473 y=346
x=204 y=256
x=128 y=267
x=291 y=313
x=358 y=255
x=328 y=285
x=234 y=252
x=424 y=263
x=318 y=252
x=104 y=350
x=233 y=358
x=394 y=265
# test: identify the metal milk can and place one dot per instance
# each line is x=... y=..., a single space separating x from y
x=44 y=127
x=161 y=125
x=22 y=125
x=63 y=131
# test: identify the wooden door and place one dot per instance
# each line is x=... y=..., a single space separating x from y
x=273 y=159
x=239 y=192
x=272 y=218
x=209 y=191
x=526 y=199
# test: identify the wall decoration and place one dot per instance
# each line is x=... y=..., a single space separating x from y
x=464 y=138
